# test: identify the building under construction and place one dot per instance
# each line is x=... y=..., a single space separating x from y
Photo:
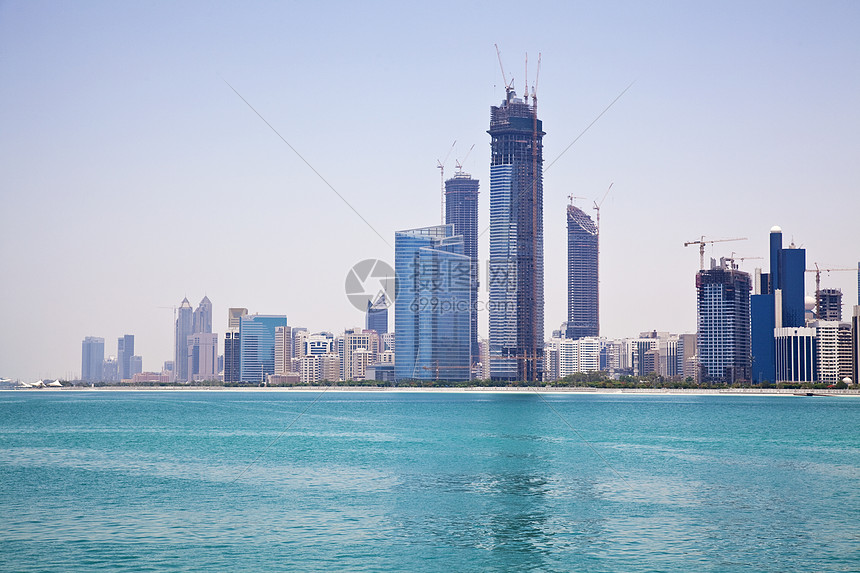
x=583 y=298
x=516 y=303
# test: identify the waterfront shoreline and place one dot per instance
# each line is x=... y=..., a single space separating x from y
x=469 y=389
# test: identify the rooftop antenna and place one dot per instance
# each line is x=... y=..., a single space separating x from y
x=441 y=165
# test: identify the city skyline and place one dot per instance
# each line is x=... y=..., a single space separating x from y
x=116 y=134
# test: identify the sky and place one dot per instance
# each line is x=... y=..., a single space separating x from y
x=132 y=175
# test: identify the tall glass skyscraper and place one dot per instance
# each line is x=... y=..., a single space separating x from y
x=92 y=359
x=184 y=329
x=124 y=352
x=377 y=314
x=515 y=269
x=257 y=346
x=779 y=302
x=583 y=297
x=461 y=210
x=433 y=308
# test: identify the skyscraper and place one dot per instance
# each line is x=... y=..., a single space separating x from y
x=723 y=316
x=202 y=356
x=779 y=302
x=124 y=352
x=184 y=329
x=232 y=345
x=433 y=307
x=202 y=317
x=461 y=211
x=583 y=302
x=92 y=359
x=516 y=302
x=257 y=346
x=377 y=314
x=830 y=304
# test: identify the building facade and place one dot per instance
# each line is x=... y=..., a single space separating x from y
x=377 y=314
x=92 y=359
x=461 y=211
x=124 y=353
x=515 y=268
x=723 y=318
x=184 y=329
x=433 y=308
x=257 y=346
x=583 y=297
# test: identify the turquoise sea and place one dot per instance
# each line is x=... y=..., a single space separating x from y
x=388 y=481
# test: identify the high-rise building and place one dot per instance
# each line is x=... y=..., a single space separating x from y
x=92 y=359
x=202 y=356
x=110 y=370
x=257 y=346
x=855 y=345
x=583 y=298
x=135 y=366
x=779 y=302
x=830 y=304
x=202 y=318
x=184 y=329
x=516 y=297
x=377 y=314
x=232 y=345
x=283 y=349
x=796 y=354
x=461 y=210
x=723 y=316
x=433 y=308
x=124 y=352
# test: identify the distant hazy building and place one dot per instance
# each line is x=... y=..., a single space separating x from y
x=257 y=346
x=461 y=211
x=364 y=342
x=183 y=329
x=723 y=316
x=203 y=356
x=124 y=352
x=317 y=344
x=110 y=370
x=433 y=306
x=202 y=317
x=92 y=359
x=377 y=314
x=135 y=365
x=583 y=295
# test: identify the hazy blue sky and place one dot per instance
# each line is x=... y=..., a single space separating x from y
x=132 y=176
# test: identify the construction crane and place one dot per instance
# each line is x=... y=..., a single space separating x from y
x=741 y=259
x=440 y=164
x=572 y=197
x=597 y=206
x=459 y=164
x=817 y=272
x=509 y=87
x=702 y=242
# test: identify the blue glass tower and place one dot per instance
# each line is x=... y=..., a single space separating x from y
x=461 y=210
x=257 y=346
x=432 y=311
x=515 y=269
x=377 y=314
x=779 y=304
x=583 y=296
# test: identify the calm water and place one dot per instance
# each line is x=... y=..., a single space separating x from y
x=153 y=481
